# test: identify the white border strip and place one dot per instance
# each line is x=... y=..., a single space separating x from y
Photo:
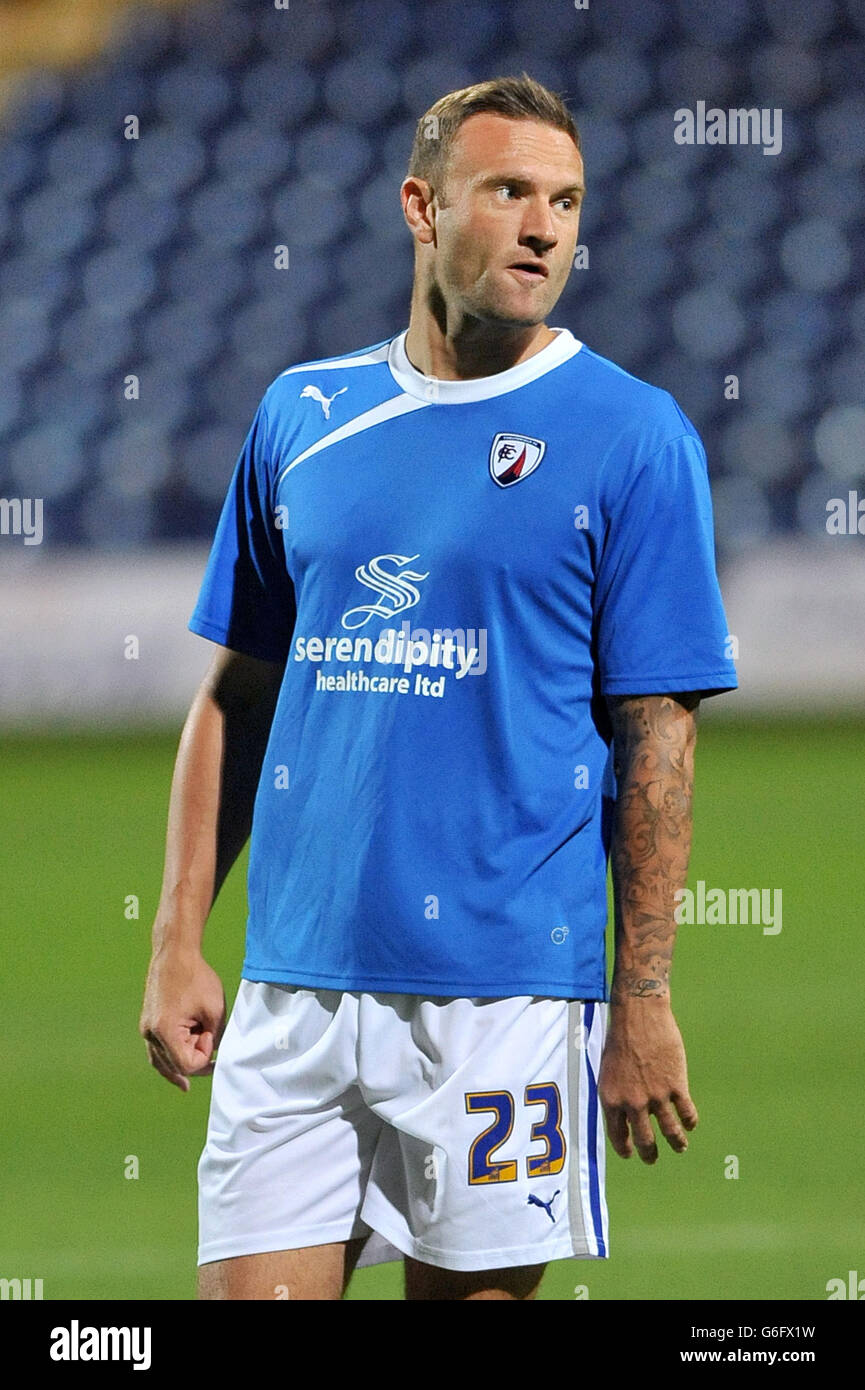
x=388 y=410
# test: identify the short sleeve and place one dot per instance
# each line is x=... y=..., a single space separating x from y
x=247 y=599
x=659 y=618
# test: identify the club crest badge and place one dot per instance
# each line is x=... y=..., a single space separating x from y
x=513 y=457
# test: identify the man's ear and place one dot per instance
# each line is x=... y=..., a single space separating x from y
x=419 y=208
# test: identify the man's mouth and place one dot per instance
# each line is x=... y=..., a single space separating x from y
x=530 y=272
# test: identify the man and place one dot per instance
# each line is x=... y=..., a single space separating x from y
x=411 y=1065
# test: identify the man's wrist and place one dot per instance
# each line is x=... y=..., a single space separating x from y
x=177 y=938
x=637 y=990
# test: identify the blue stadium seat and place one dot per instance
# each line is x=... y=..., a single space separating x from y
x=262 y=127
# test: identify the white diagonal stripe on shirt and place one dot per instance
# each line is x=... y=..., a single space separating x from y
x=332 y=364
x=388 y=410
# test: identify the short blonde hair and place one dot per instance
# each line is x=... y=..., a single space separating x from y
x=520 y=98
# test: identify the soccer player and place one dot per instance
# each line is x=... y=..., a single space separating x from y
x=423 y=1046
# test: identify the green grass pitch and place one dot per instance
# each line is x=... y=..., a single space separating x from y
x=772 y=1025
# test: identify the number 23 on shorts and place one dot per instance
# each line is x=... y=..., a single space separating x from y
x=547 y=1129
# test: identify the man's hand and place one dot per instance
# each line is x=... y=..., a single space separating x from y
x=643 y=1069
x=644 y=1073
x=183 y=1015
x=209 y=817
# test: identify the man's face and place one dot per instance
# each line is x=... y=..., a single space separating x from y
x=507 y=228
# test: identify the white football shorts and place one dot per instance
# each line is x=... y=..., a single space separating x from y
x=466 y=1133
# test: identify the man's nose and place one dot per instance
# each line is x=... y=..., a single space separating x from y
x=538 y=229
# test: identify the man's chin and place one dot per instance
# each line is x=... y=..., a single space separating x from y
x=510 y=314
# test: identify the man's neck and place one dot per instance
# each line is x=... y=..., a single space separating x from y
x=473 y=349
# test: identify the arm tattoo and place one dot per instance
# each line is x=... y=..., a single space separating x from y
x=654 y=737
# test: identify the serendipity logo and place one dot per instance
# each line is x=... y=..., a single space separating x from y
x=460 y=651
x=397 y=591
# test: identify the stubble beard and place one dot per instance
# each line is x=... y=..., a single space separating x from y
x=487 y=308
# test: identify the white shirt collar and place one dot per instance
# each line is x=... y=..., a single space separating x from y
x=480 y=388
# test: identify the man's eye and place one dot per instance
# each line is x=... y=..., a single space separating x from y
x=506 y=189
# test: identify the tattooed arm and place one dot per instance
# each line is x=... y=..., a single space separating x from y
x=643 y=1070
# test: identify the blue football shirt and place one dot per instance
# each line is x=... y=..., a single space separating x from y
x=456 y=574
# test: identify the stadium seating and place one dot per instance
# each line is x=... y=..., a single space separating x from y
x=261 y=127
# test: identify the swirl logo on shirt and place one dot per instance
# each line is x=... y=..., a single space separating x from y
x=397 y=592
